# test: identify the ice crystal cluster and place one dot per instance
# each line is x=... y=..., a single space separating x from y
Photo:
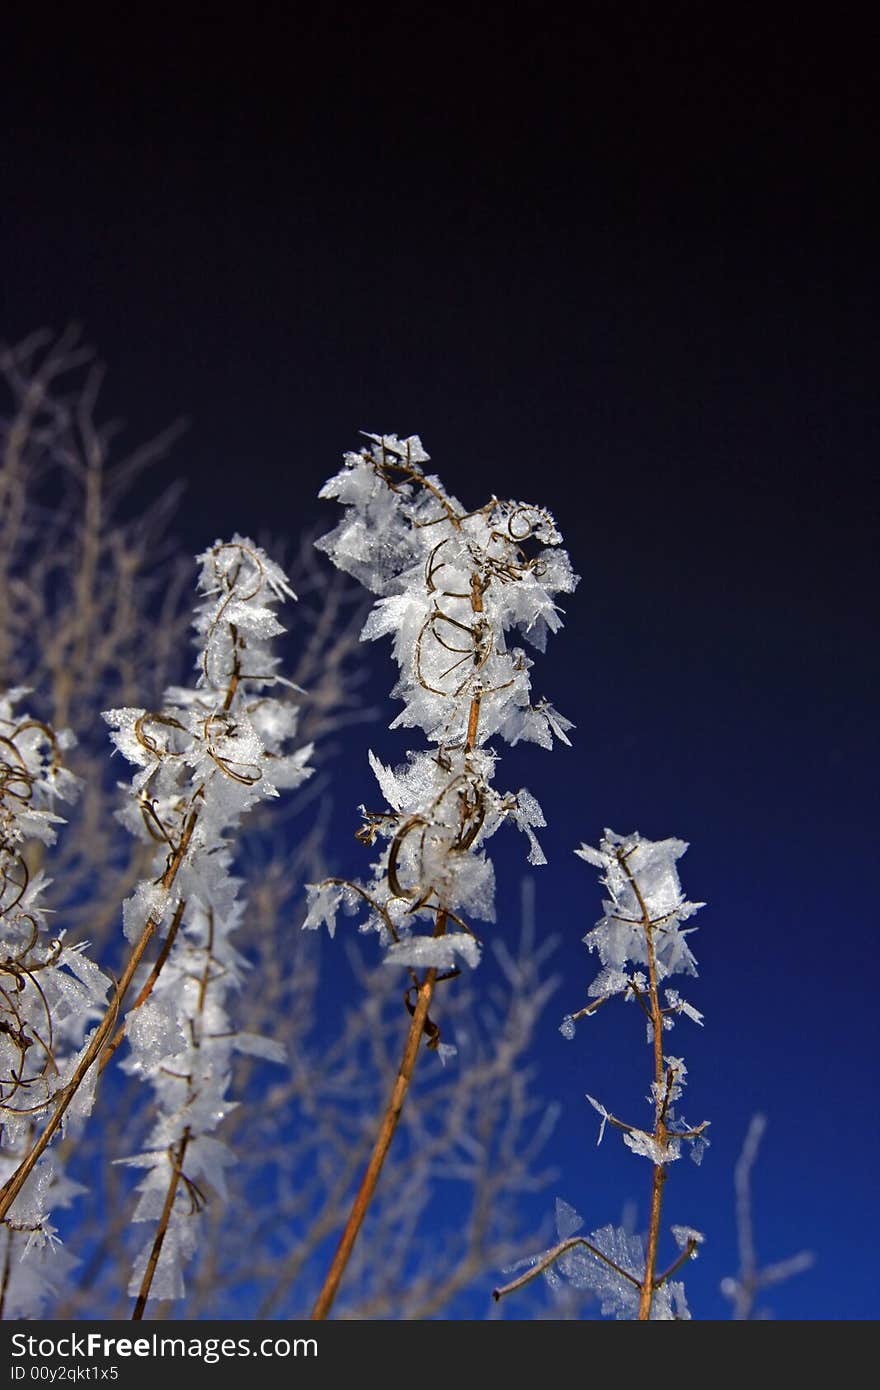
x=615 y=1279
x=640 y=941
x=451 y=587
x=50 y=995
x=202 y=761
x=640 y=877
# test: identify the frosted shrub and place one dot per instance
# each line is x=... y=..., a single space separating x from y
x=203 y=760
x=640 y=941
x=50 y=994
x=451 y=584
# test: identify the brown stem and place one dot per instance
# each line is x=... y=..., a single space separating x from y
x=661 y=1133
x=676 y=1265
x=419 y=1019
x=7 y=1270
x=552 y=1256
x=146 y=1282
x=650 y=1283
x=147 y=988
x=590 y=1008
x=177 y=1161
x=387 y=1127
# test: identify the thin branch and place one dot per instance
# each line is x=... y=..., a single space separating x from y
x=387 y=1127
x=168 y=1205
x=590 y=1008
x=660 y=1129
x=553 y=1255
x=676 y=1265
x=147 y=988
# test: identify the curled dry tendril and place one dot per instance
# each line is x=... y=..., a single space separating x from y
x=25 y=1015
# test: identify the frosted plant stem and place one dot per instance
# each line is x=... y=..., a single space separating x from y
x=383 y=1140
x=147 y=988
x=640 y=944
x=449 y=585
x=401 y=1085
x=146 y=1282
x=660 y=1129
x=178 y=1156
x=13 y=1186
x=394 y=1108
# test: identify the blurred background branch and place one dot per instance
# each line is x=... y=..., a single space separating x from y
x=743 y=1288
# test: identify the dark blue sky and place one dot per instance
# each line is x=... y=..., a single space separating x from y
x=624 y=267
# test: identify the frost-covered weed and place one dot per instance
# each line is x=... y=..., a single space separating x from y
x=203 y=760
x=50 y=995
x=640 y=941
x=452 y=585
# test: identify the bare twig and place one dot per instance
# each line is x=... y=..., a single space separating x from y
x=553 y=1255
x=387 y=1127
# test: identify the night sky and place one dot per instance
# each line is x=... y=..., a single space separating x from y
x=624 y=267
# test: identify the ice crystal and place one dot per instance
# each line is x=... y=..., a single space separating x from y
x=612 y=1271
x=684 y=1235
x=619 y=937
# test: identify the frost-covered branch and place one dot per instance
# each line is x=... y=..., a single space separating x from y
x=203 y=760
x=545 y=1261
x=640 y=940
x=451 y=584
x=50 y=993
x=93 y=589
